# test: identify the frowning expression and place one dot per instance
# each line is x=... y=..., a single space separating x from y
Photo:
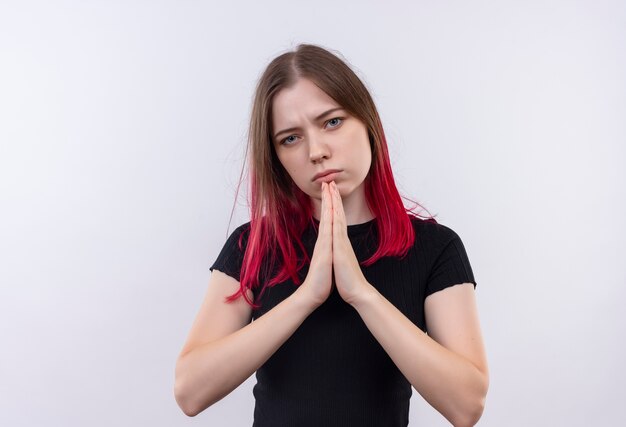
x=313 y=134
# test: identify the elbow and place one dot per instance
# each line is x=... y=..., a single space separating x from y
x=186 y=394
x=188 y=400
x=182 y=393
x=474 y=410
x=471 y=417
x=184 y=401
x=191 y=399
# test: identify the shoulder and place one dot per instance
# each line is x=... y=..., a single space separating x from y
x=242 y=229
x=441 y=249
x=239 y=234
x=432 y=233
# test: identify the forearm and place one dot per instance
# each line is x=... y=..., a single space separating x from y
x=208 y=373
x=449 y=382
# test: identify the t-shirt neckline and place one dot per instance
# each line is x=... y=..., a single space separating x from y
x=354 y=229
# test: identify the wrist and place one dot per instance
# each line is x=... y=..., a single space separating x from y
x=366 y=296
x=304 y=297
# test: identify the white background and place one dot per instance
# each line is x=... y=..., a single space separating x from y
x=122 y=131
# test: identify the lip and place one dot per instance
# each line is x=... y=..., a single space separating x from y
x=325 y=173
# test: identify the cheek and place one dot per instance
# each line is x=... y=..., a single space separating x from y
x=365 y=155
x=294 y=170
x=366 y=163
x=286 y=163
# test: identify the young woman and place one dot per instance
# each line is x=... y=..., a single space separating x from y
x=333 y=293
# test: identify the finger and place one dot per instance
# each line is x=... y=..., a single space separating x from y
x=323 y=208
x=338 y=214
x=330 y=206
x=322 y=231
x=326 y=218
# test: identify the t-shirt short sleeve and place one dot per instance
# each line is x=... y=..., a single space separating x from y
x=451 y=266
x=230 y=258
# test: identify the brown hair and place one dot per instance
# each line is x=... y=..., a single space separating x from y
x=279 y=210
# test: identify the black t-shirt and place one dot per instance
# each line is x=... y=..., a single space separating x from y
x=331 y=371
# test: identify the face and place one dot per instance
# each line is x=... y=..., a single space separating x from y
x=310 y=139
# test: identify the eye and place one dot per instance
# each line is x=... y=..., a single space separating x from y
x=336 y=118
x=284 y=141
x=287 y=141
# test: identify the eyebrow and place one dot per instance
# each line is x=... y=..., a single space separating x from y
x=316 y=119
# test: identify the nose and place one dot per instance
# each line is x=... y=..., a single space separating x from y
x=318 y=150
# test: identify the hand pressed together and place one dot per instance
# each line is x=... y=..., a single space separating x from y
x=333 y=253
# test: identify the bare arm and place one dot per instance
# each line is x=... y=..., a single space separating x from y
x=224 y=348
x=208 y=371
x=448 y=367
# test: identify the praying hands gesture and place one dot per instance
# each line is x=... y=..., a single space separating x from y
x=333 y=253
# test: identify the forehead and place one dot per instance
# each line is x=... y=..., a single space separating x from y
x=304 y=100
